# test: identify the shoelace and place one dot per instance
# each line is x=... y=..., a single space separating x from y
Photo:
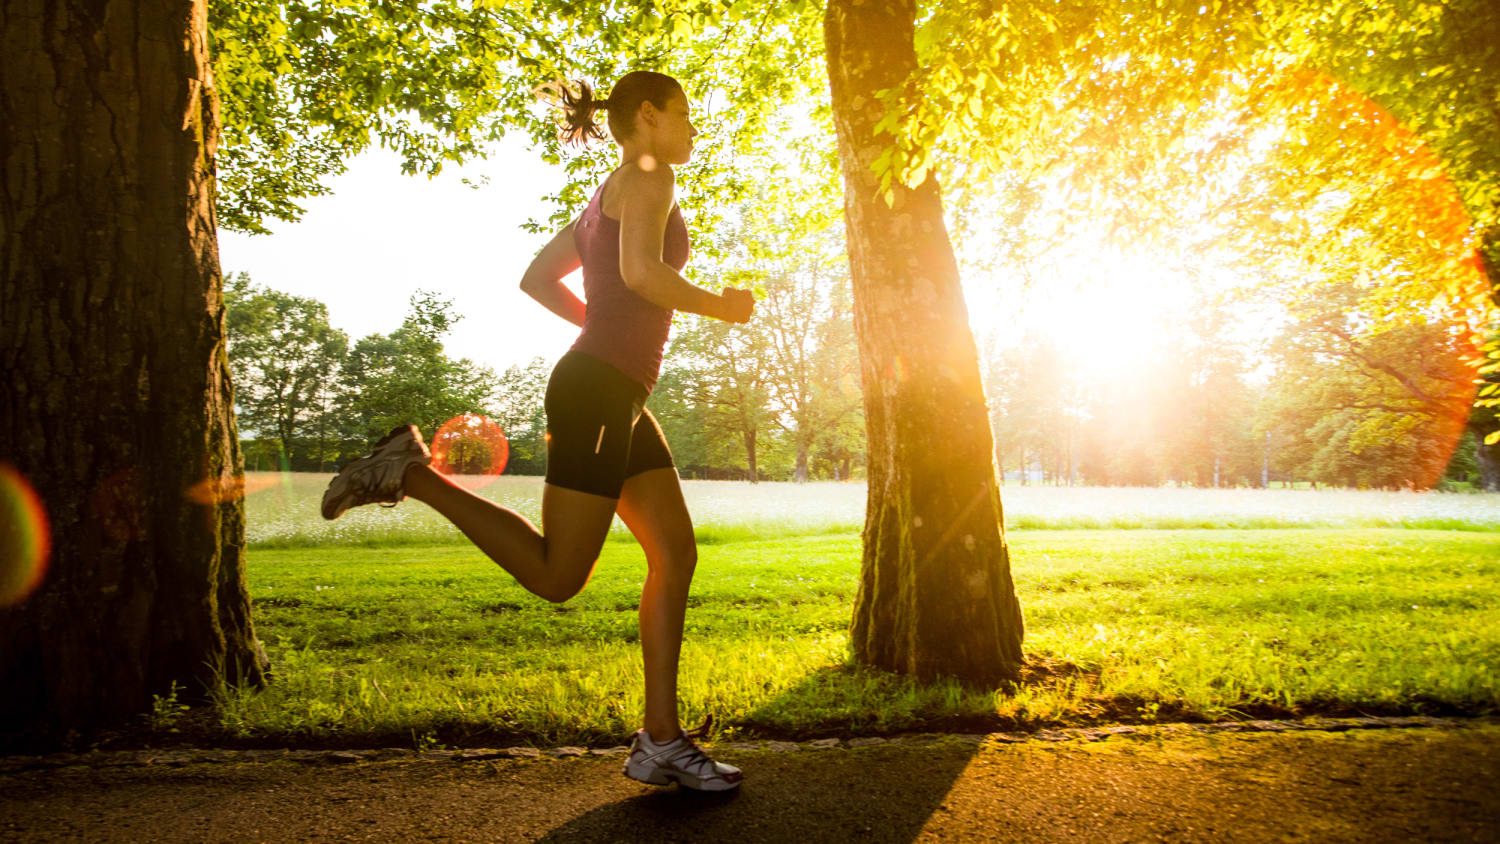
x=367 y=485
x=689 y=755
x=701 y=730
x=692 y=755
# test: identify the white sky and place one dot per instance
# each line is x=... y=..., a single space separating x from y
x=380 y=236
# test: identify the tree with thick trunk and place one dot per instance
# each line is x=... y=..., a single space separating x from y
x=115 y=398
x=936 y=596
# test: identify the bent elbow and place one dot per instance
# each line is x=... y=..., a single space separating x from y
x=637 y=277
x=635 y=282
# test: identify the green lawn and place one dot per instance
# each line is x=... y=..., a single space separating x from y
x=434 y=644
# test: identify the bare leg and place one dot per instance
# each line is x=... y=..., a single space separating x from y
x=652 y=507
x=553 y=563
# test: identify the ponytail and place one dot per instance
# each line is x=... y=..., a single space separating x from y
x=634 y=88
x=578 y=114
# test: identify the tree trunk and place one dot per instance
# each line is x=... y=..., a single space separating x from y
x=115 y=399
x=803 y=447
x=750 y=466
x=935 y=595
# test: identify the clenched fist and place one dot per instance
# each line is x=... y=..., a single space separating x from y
x=738 y=305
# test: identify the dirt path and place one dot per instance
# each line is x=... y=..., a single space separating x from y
x=1375 y=785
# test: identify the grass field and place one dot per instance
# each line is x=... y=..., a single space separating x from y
x=432 y=644
x=283 y=511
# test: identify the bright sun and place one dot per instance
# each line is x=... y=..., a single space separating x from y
x=1107 y=311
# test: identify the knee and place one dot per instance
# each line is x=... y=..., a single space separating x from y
x=679 y=564
x=563 y=584
x=560 y=590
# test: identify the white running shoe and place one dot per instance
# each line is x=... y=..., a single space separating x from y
x=378 y=476
x=679 y=761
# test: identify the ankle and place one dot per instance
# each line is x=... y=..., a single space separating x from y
x=664 y=736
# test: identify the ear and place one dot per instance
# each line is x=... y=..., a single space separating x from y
x=649 y=112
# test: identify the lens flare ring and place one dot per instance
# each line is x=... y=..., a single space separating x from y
x=470 y=449
x=25 y=538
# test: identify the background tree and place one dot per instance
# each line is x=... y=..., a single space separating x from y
x=795 y=314
x=839 y=445
x=284 y=357
x=722 y=369
x=404 y=378
x=1209 y=441
x=696 y=452
x=1376 y=411
x=782 y=241
x=518 y=408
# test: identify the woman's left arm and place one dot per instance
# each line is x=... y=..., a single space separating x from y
x=543 y=279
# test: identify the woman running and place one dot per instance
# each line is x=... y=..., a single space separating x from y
x=605 y=452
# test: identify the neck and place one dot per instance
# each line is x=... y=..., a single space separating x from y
x=633 y=153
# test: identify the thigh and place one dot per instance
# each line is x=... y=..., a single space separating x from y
x=575 y=525
x=591 y=414
x=652 y=506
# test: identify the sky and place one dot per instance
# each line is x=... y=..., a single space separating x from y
x=380 y=236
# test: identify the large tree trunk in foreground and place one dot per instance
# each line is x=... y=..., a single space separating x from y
x=114 y=390
x=935 y=596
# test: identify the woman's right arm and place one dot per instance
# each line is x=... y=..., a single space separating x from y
x=543 y=279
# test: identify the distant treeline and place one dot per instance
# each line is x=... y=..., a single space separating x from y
x=779 y=399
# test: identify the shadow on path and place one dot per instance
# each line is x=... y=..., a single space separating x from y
x=807 y=799
x=1420 y=784
x=813 y=796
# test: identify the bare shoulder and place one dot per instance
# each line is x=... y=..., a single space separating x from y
x=634 y=186
x=654 y=188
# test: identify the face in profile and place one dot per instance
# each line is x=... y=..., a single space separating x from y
x=675 y=131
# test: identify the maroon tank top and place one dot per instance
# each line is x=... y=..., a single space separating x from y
x=619 y=326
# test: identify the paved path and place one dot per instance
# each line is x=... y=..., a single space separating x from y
x=1370 y=785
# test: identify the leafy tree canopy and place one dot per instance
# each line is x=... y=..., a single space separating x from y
x=306 y=84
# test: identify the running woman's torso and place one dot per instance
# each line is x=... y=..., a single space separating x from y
x=620 y=327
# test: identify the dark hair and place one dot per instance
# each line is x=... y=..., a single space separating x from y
x=634 y=88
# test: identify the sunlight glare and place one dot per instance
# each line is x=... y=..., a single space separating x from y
x=1104 y=310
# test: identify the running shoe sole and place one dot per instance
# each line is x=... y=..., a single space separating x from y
x=337 y=488
x=684 y=779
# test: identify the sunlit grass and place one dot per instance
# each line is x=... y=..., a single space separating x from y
x=435 y=644
x=283 y=511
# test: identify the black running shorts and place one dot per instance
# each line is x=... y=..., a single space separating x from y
x=598 y=430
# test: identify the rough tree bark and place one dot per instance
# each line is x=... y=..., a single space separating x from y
x=936 y=596
x=114 y=389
